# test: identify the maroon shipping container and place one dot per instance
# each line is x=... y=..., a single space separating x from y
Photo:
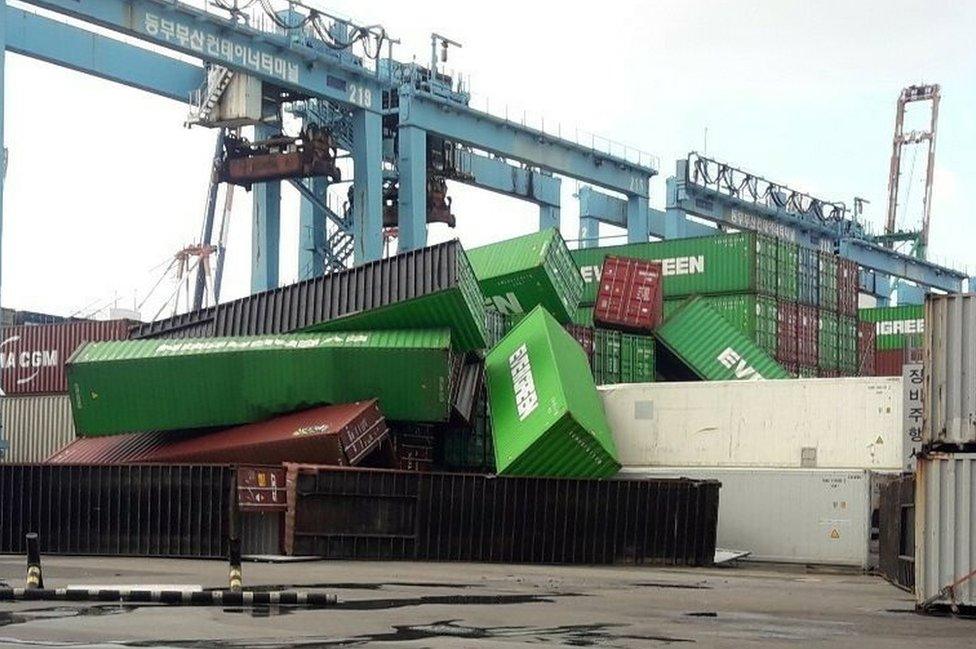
x=33 y=356
x=786 y=344
x=413 y=449
x=807 y=335
x=866 y=337
x=338 y=435
x=630 y=295
x=827 y=374
x=584 y=336
x=848 y=283
x=888 y=362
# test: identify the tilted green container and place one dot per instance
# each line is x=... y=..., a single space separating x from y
x=827 y=341
x=547 y=418
x=847 y=358
x=697 y=336
x=583 y=316
x=787 y=270
x=607 y=346
x=143 y=385
x=754 y=315
x=743 y=262
x=896 y=327
x=636 y=358
x=519 y=274
x=828 y=281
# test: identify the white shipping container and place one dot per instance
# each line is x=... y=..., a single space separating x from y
x=950 y=374
x=850 y=423
x=35 y=427
x=810 y=516
x=945 y=529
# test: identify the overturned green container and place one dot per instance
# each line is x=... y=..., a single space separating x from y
x=755 y=315
x=697 y=338
x=520 y=274
x=547 y=418
x=142 y=385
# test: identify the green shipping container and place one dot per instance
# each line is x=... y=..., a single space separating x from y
x=827 y=342
x=828 y=281
x=583 y=316
x=606 y=356
x=896 y=327
x=636 y=358
x=754 y=315
x=697 y=336
x=787 y=270
x=144 y=385
x=519 y=274
x=743 y=262
x=847 y=358
x=547 y=418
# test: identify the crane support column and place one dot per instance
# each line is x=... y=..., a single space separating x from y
x=548 y=217
x=367 y=204
x=3 y=156
x=412 y=209
x=312 y=238
x=638 y=222
x=589 y=232
x=265 y=226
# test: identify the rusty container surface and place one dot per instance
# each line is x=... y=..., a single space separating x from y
x=370 y=514
x=896 y=531
x=866 y=353
x=630 y=296
x=130 y=448
x=584 y=336
x=786 y=342
x=807 y=335
x=340 y=435
x=848 y=282
x=33 y=356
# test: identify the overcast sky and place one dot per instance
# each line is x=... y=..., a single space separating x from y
x=104 y=183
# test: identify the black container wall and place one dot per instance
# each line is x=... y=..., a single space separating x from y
x=360 y=514
x=148 y=510
x=315 y=301
x=896 y=527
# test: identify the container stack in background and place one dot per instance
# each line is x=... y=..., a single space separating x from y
x=37 y=417
x=897 y=334
x=797 y=304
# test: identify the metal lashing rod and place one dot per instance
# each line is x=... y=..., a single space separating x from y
x=236 y=573
x=35 y=579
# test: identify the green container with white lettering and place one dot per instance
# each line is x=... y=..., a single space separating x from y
x=520 y=274
x=143 y=385
x=697 y=341
x=896 y=327
x=547 y=418
x=755 y=315
x=743 y=262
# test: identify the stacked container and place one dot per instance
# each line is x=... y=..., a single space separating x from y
x=898 y=334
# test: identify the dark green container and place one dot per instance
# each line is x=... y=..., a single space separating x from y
x=636 y=358
x=828 y=281
x=787 y=270
x=547 y=418
x=847 y=357
x=697 y=336
x=607 y=347
x=754 y=315
x=828 y=340
x=896 y=327
x=743 y=262
x=152 y=385
x=583 y=316
x=519 y=274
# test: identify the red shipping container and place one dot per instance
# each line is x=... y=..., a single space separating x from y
x=889 y=362
x=338 y=435
x=807 y=335
x=33 y=356
x=866 y=337
x=848 y=284
x=786 y=343
x=584 y=336
x=630 y=296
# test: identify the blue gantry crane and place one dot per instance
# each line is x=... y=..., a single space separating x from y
x=407 y=129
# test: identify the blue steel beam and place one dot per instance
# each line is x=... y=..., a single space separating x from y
x=270 y=57
x=367 y=204
x=879 y=258
x=412 y=194
x=596 y=206
x=84 y=51
x=501 y=137
x=504 y=178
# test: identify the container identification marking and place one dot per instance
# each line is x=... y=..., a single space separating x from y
x=693 y=265
x=526 y=397
x=892 y=327
x=741 y=369
x=35 y=359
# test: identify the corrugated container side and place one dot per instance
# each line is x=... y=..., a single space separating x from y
x=36 y=426
x=866 y=349
x=950 y=376
x=195 y=324
x=807 y=334
x=583 y=316
x=848 y=282
x=754 y=315
x=828 y=281
x=636 y=359
x=827 y=344
x=606 y=356
x=808 y=274
x=697 y=337
x=847 y=357
x=630 y=296
x=787 y=271
x=889 y=362
x=896 y=327
x=896 y=532
x=33 y=357
x=585 y=337
x=786 y=339
x=945 y=521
